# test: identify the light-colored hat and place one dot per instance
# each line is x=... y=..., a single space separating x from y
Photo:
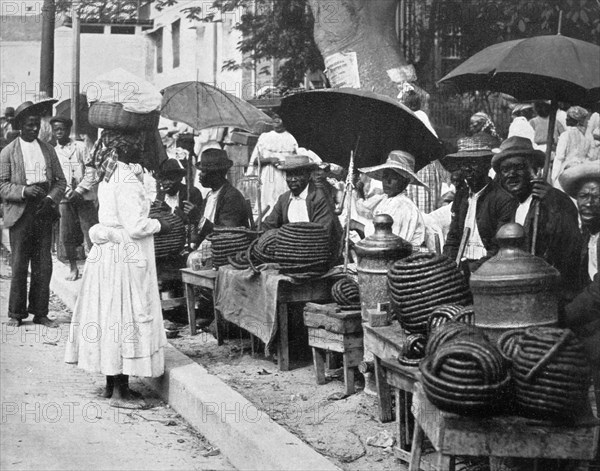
x=517 y=146
x=573 y=177
x=296 y=162
x=479 y=145
x=29 y=108
x=577 y=113
x=519 y=107
x=399 y=161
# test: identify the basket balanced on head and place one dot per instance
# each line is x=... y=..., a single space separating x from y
x=113 y=116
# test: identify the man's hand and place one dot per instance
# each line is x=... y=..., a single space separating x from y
x=165 y=226
x=188 y=207
x=33 y=192
x=540 y=188
x=360 y=189
x=74 y=197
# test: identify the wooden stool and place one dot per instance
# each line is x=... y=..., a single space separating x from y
x=333 y=330
x=503 y=436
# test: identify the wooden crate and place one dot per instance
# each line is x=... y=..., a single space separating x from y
x=331 y=318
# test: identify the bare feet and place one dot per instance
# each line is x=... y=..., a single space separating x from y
x=74 y=273
x=45 y=321
x=130 y=403
x=14 y=322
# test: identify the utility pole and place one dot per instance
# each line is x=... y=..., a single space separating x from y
x=47 y=52
x=76 y=69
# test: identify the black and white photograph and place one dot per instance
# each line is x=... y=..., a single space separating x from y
x=321 y=235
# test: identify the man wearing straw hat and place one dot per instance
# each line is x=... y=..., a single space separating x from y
x=304 y=202
x=396 y=174
x=558 y=240
x=32 y=185
x=479 y=209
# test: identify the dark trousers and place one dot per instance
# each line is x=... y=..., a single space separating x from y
x=76 y=219
x=31 y=242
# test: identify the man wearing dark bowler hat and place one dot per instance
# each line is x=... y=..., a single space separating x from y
x=32 y=185
x=558 y=238
x=304 y=202
x=224 y=205
x=78 y=208
x=482 y=206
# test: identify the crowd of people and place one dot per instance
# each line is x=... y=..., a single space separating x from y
x=454 y=205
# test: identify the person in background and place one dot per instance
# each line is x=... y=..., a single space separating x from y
x=481 y=122
x=582 y=183
x=573 y=145
x=174 y=193
x=78 y=208
x=558 y=239
x=482 y=207
x=304 y=202
x=396 y=174
x=46 y=104
x=224 y=205
x=8 y=122
x=433 y=174
x=271 y=150
x=521 y=113
x=540 y=126
x=32 y=185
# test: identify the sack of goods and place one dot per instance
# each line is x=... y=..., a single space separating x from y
x=466 y=375
x=550 y=373
x=171 y=244
x=420 y=283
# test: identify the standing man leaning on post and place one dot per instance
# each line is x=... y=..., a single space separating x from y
x=32 y=185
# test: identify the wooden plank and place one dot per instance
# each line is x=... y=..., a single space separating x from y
x=348 y=374
x=283 y=348
x=319 y=364
x=354 y=356
x=203 y=278
x=191 y=307
x=400 y=376
x=321 y=319
x=332 y=341
x=384 y=342
x=383 y=393
x=172 y=303
x=505 y=436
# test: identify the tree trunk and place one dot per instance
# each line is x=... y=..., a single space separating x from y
x=367 y=27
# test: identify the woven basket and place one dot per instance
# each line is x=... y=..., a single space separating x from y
x=113 y=116
x=171 y=244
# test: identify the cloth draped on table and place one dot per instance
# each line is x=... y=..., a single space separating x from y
x=249 y=300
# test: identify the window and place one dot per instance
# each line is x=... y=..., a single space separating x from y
x=175 y=39
x=159 y=50
x=91 y=29
x=122 y=30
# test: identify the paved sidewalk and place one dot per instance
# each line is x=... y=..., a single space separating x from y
x=53 y=419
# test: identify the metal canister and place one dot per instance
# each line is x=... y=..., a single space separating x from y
x=376 y=254
x=514 y=289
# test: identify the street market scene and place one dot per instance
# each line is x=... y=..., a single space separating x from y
x=300 y=235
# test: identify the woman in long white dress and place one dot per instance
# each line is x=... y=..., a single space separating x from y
x=117 y=325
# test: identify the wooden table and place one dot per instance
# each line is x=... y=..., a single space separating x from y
x=503 y=436
x=384 y=343
x=315 y=290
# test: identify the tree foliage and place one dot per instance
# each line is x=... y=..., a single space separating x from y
x=96 y=11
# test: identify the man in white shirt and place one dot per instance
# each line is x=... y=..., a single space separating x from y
x=558 y=239
x=305 y=202
x=32 y=185
x=78 y=208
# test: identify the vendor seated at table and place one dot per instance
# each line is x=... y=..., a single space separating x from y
x=224 y=205
x=175 y=194
x=396 y=174
x=304 y=202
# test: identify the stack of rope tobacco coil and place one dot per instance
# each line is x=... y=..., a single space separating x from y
x=508 y=343
x=226 y=242
x=550 y=373
x=303 y=247
x=346 y=294
x=466 y=375
x=450 y=313
x=420 y=283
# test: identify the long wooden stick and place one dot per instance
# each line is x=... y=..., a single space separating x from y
x=549 y=145
x=463 y=244
x=349 y=188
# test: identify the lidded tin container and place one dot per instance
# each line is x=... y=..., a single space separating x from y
x=514 y=289
x=376 y=254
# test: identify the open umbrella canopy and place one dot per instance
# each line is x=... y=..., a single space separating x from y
x=334 y=122
x=201 y=106
x=539 y=68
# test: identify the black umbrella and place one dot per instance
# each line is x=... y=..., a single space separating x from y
x=335 y=122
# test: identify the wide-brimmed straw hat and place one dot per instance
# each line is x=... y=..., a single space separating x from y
x=297 y=162
x=171 y=167
x=399 y=161
x=29 y=108
x=573 y=177
x=472 y=147
x=213 y=159
x=517 y=146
